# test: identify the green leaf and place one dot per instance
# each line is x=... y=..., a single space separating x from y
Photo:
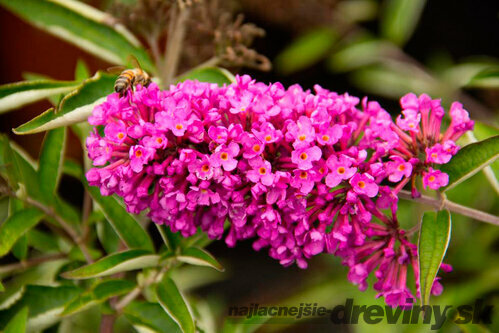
x=400 y=18
x=123 y=223
x=86 y=27
x=81 y=71
x=394 y=79
x=471 y=159
x=18 y=323
x=72 y=168
x=172 y=240
x=199 y=257
x=20 y=248
x=361 y=53
x=305 y=51
x=16 y=226
x=150 y=317
x=216 y=75
x=17 y=167
x=98 y=294
x=45 y=305
x=434 y=238
x=43 y=241
x=174 y=304
x=488 y=79
x=51 y=157
x=75 y=107
x=16 y=95
x=108 y=237
x=2 y=288
x=115 y=263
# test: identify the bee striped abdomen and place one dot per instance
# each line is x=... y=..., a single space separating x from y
x=124 y=81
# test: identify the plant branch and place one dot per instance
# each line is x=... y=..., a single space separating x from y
x=30 y=263
x=176 y=33
x=49 y=211
x=452 y=206
x=138 y=290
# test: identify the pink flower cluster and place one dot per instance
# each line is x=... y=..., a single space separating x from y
x=302 y=173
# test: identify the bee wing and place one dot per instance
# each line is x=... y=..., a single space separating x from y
x=133 y=61
x=115 y=69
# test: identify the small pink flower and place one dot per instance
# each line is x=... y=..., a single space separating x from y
x=303 y=180
x=202 y=168
x=410 y=122
x=441 y=154
x=460 y=118
x=252 y=146
x=225 y=156
x=116 y=131
x=218 y=134
x=398 y=168
x=302 y=132
x=305 y=156
x=435 y=179
x=261 y=172
x=140 y=155
x=268 y=133
x=329 y=135
x=364 y=184
x=339 y=170
x=157 y=141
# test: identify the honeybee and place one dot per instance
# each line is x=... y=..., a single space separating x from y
x=129 y=78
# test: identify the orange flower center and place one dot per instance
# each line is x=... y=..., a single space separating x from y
x=434 y=155
x=303 y=175
x=303 y=156
x=268 y=138
x=224 y=156
x=256 y=148
x=431 y=179
x=121 y=135
x=321 y=170
x=179 y=126
x=325 y=138
x=361 y=184
x=205 y=168
x=302 y=137
x=341 y=170
x=401 y=167
x=159 y=140
x=262 y=171
x=138 y=153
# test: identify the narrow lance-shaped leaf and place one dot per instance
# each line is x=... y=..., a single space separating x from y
x=18 y=323
x=81 y=71
x=45 y=305
x=98 y=294
x=174 y=304
x=115 y=263
x=74 y=107
x=51 y=157
x=150 y=317
x=434 y=238
x=305 y=50
x=400 y=19
x=2 y=288
x=200 y=257
x=84 y=26
x=127 y=227
x=209 y=74
x=471 y=159
x=16 y=95
x=16 y=226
